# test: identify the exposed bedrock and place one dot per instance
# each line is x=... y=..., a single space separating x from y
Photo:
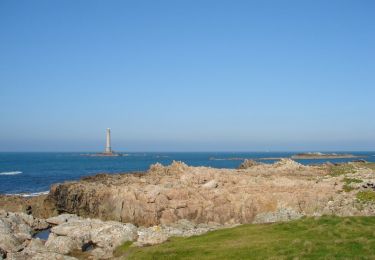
x=38 y=206
x=70 y=236
x=165 y=194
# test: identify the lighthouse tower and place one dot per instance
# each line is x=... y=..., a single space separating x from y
x=108 y=148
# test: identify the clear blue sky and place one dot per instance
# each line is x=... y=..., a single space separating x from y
x=187 y=75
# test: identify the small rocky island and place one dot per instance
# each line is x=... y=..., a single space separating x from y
x=91 y=217
x=299 y=156
x=108 y=152
x=318 y=155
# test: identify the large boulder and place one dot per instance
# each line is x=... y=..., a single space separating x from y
x=289 y=164
x=77 y=234
x=63 y=218
x=61 y=244
x=176 y=167
x=280 y=215
x=212 y=184
x=151 y=236
x=182 y=228
x=37 y=251
x=247 y=164
x=16 y=230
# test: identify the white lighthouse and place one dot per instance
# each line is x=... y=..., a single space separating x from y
x=108 y=149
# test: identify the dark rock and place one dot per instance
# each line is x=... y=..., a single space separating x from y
x=360 y=161
x=29 y=210
x=337 y=164
x=247 y=164
x=88 y=246
x=329 y=164
x=3 y=253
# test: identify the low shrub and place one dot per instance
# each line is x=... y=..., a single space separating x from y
x=351 y=180
x=366 y=196
x=341 y=169
x=347 y=188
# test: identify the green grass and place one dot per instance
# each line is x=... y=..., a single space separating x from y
x=123 y=249
x=337 y=170
x=366 y=196
x=351 y=180
x=307 y=238
x=369 y=165
x=347 y=187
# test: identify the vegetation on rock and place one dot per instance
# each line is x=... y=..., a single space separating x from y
x=368 y=165
x=347 y=187
x=352 y=180
x=366 y=196
x=341 y=169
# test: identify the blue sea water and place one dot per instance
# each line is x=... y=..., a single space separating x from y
x=30 y=173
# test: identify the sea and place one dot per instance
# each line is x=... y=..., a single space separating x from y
x=30 y=174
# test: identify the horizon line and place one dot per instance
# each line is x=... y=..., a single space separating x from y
x=191 y=151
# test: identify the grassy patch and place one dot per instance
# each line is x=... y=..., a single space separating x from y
x=368 y=165
x=351 y=180
x=121 y=250
x=347 y=188
x=307 y=238
x=341 y=169
x=366 y=196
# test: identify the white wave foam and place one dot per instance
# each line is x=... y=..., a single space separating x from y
x=10 y=173
x=32 y=194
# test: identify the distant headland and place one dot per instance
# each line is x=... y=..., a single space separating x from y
x=298 y=156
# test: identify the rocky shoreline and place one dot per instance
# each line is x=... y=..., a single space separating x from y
x=96 y=214
x=71 y=235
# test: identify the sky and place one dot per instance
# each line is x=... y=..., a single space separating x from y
x=187 y=75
